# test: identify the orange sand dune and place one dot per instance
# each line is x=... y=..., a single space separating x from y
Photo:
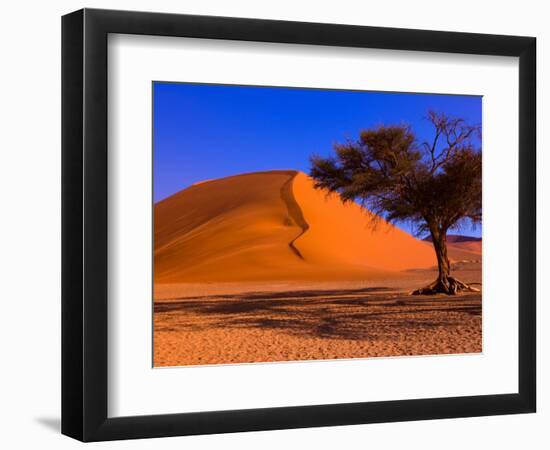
x=274 y=226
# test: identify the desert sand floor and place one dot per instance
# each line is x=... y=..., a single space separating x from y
x=247 y=323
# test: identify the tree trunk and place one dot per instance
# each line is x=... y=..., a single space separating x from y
x=444 y=284
x=443 y=265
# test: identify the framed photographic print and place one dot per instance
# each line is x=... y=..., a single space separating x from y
x=273 y=224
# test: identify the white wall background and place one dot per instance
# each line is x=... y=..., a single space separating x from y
x=30 y=222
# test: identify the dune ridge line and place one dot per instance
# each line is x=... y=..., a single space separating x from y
x=294 y=211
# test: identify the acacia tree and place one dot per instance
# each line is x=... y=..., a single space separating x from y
x=435 y=184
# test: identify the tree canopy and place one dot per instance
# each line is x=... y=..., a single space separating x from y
x=434 y=184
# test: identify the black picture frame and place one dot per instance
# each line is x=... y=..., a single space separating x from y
x=84 y=224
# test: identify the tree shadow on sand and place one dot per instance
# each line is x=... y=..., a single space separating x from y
x=356 y=314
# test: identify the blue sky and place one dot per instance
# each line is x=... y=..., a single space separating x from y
x=212 y=131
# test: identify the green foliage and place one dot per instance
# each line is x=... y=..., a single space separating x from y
x=435 y=184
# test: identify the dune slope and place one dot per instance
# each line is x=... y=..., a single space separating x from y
x=274 y=226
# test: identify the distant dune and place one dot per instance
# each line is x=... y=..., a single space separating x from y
x=471 y=246
x=459 y=238
x=274 y=226
x=462 y=247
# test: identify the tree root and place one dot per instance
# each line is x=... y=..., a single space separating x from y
x=447 y=285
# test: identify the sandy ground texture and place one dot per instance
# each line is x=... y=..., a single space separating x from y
x=315 y=321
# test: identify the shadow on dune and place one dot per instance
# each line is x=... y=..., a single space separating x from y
x=356 y=314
